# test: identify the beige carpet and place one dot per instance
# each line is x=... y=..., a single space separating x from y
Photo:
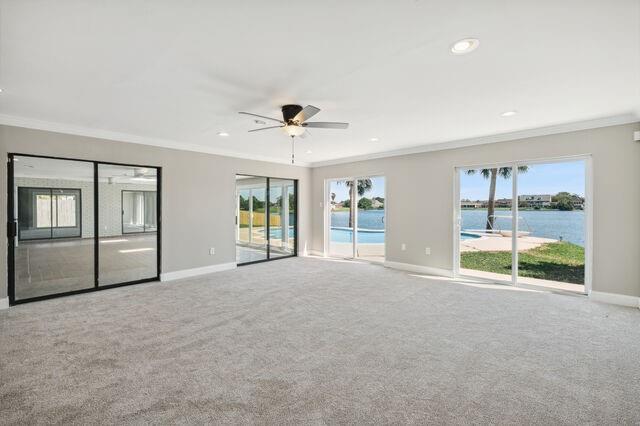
x=316 y=341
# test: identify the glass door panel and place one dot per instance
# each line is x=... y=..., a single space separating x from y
x=251 y=239
x=551 y=225
x=371 y=218
x=282 y=217
x=126 y=252
x=54 y=248
x=342 y=218
x=486 y=222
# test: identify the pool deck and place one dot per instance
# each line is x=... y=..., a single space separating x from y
x=500 y=243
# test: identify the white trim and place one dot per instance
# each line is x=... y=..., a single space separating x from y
x=186 y=273
x=4 y=303
x=318 y=253
x=615 y=299
x=327 y=214
x=29 y=123
x=419 y=269
x=483 y=140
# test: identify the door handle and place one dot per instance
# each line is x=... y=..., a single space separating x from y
x=12 y=229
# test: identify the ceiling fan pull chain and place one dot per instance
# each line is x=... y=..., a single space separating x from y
x=293 y=150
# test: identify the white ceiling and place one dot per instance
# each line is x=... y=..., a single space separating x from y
x=175 y=73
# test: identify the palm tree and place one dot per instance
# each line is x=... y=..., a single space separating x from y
x=492 y=174
x=363 y=186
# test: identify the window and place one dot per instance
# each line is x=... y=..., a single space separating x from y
x=138 y=211
x=45 y=213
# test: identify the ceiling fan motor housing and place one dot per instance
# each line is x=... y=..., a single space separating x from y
x=290 y=111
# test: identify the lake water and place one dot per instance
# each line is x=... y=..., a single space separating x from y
x=367 y=219
x=542 y=223
x=568 y=226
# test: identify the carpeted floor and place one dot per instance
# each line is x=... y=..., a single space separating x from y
x=315 y=341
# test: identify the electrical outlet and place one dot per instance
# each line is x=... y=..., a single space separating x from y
x=403 y=247
x=212 y=251
x=427 y=250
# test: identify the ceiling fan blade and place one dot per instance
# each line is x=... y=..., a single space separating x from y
x=326 y=125
x=261 y=116
x=306 y=113
x=265 y=128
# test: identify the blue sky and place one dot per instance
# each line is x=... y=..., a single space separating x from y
x=342 y=192
x=539 y=179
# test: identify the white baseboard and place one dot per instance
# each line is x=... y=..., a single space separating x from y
x=4 y=303
x=186 y=273
x=315 y=253
x=419 y=269
x=615 y=299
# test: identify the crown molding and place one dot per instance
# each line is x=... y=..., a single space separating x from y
x=29 y=123
x=482 y=140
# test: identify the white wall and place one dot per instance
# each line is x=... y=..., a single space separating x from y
x=420 y=198
x=198 y=192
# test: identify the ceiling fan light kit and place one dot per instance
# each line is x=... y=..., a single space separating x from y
x=294 y=122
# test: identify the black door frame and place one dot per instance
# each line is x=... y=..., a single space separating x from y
x=12 y=229
x=268 y=220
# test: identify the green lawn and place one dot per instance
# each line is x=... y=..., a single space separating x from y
x=559 y=261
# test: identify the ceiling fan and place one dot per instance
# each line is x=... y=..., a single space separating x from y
x=294 y=122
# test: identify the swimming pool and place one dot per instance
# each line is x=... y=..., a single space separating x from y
x=468 y=236
x=374 y=236
x=276 y=233
x=345 y=235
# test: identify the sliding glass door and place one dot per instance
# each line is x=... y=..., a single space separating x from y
x=551 y=207
x=527 y=227
x=357 y=218
x=486 y=222
x=70 y=224
x=45 y=200
x=128 y=242
x=266 y=218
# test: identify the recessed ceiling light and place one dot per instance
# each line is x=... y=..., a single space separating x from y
x=374 y=140
x=223 y=134
x=0 y=90
x=508 y=113
x=309 y=151
x=465 y=45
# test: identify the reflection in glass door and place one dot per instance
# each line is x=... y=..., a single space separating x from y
x=127 y=249
x=47 y=198
x=486 y=222
x=138 y=211
x=357 y=218
x=68 y=222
